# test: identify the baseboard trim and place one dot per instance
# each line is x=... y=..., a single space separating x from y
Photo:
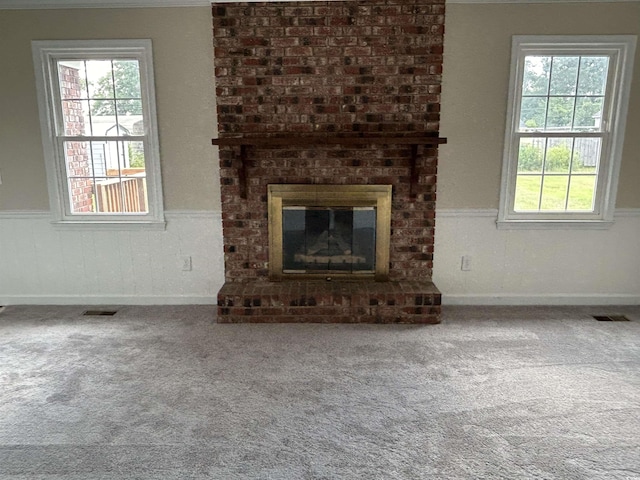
x=108 y=300
x=447 y=299
x=518 y=299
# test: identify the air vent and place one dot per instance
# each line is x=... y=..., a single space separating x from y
x=103 y=313
x=611 y=318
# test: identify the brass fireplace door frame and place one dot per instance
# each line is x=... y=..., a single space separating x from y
x=286 y=195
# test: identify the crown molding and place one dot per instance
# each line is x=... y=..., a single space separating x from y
x=57 y=4
x=539 y=1
x=54 y=4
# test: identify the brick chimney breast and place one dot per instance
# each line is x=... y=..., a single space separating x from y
x=334 y=68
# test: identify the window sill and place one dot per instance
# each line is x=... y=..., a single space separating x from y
x=554 y=224
x=109 y=225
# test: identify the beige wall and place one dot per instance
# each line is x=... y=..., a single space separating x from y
x=182 y=43
x=475 y=85
x=476 y=72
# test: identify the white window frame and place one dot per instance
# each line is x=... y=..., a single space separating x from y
x=46 y=54
x=621 y=50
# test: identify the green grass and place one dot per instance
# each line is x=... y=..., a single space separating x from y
x=554 y=193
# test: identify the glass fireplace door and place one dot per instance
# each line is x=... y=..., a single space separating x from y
x=329 y=239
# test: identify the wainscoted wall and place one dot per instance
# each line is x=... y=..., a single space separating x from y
x=522 y=267
x=41 y=264
x=44 y=265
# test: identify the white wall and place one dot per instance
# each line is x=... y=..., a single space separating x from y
x=520 y=267
x=42 y=264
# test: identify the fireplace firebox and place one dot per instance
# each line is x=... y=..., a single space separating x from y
x=329 y=231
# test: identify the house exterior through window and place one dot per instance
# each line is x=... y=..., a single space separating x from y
x=97 y=108
x=565 y=128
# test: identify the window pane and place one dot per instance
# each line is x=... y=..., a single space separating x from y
x=73 y=84
x=100 y=79
x=135 y=158
x=531 y=155
x=98 y=159
x=129 y=107
x=81 y=195
x=582 y=193
x=586 y=156
x=564 y=75
x=116 y=157
x=560 y=116
x=554 y=193
x=527 y=196
x=558 y=157
x=77 y=159
x=104 y=159
x=75 y=116
x=130 y=117
x=102 y=108
x=126 y=74
x=589 y=113
x=106 y=176
x=536 y=75
x=533 y=113
x=108 y=195
x=593 y=75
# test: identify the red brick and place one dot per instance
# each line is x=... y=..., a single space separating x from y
x=329 y=51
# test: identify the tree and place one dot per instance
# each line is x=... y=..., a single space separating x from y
x=121 y=87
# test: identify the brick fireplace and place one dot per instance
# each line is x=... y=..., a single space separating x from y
x=342 y=93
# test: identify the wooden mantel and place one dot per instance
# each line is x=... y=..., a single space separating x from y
x=244 y=143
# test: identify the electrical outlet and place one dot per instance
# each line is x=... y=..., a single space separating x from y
x=465 y=264
x=185 y=262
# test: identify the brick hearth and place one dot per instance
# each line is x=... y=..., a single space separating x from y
x=330 y=302
x=328 y=69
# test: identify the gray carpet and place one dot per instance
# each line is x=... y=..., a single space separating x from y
x=165 y=393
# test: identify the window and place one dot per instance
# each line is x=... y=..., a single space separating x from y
x=97 y=110
x=565 y=128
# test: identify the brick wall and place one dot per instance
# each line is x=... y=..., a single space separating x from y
x=76 y=153
x=370 y=66
x=328 y=68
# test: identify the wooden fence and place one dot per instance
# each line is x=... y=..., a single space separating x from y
x=126 y=194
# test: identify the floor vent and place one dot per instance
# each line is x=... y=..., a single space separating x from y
x=104 y=313
x=611 y=318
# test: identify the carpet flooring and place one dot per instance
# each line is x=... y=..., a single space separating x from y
x=166 y=393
